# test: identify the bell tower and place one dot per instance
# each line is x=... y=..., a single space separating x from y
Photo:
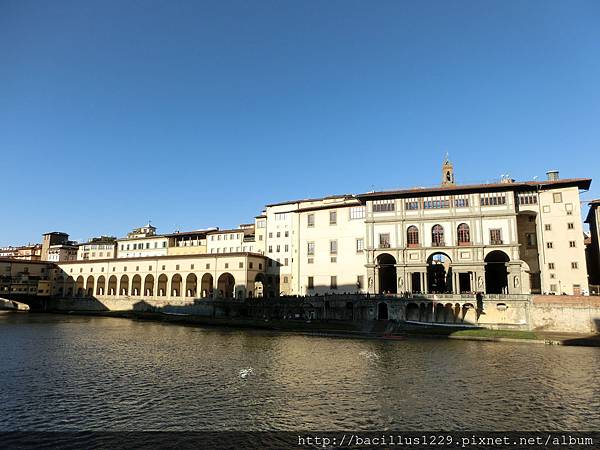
x=447 y=172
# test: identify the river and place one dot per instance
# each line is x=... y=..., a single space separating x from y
x=60 y=372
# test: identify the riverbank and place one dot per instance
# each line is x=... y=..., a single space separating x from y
x=385 y=330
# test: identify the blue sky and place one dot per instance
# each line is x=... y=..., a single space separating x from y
x=197 y=114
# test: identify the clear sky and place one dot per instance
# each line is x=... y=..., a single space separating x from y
x=196 y=113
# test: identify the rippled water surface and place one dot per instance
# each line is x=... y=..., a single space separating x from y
x=85 y=373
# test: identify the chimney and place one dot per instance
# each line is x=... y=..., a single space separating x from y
x=552 y=175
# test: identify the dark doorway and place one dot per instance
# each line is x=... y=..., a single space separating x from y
x=439 y=273
x=464 y=282
x=496 y=273
x=382 y=311
x=386 y=265
x=415 y=282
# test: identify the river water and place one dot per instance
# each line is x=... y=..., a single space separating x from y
x=95 y=373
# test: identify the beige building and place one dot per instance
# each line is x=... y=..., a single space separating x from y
x=97 y=248
x=30 y=252
x=502 y=238
x=162 y=278
x=25 y=278
x=231 y=241
x=142 y=242
x=56 y=247
x=593 y=220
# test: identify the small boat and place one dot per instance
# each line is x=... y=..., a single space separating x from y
x=393 y=337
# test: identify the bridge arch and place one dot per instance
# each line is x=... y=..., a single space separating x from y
x=101 y=285
x=136 y=285
x=162 y=285
x=124 y=285
x=176 y=282
x=225 y=285
x=206 y=285
x=89 y=286
x=149 y=285
x=191 y=285
x=112 y=285
x=79 y=286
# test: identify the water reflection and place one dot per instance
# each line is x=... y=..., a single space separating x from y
x=69 y=372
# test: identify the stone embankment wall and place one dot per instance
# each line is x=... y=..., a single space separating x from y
x=565 y=313
x=544 y=313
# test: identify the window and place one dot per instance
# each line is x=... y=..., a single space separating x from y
x=357 y=212
x=311 y=283
x=260 y=224
x=164 y=244
x=271 y=235
x=495 y=236
x=551 y=266
x=461 y=201
x=527 y=198
x=572 y=244
x=333 y=282
x=549 y=245
x=360 y=281
x=163 y=267
x=227 y=265
x=493 y=199
x=287 y=248
x=383 y=205
x=287 y=234
x=437 y=236
x=411 y=204
x=332 y=217
x=412 y=236
x=310 y=220
x=530 y=239
x=574 y=265
x=436 y=203
x=570 y=226
x=259 y=266
x=333 y=247
x=311 y=248
x=241 y=265
x=282 y=216
x=278 y=248
x=464 y=235
x=552 y=288
x=557 y=197
x=547 y=227
x=270 y=249
x=147 y=244
x=286 y=261
x=552 y=276
x=360 y=245
x=278 y=234
x=177 y=267
x=285 y=279
x=260 y=237
x=384 y=240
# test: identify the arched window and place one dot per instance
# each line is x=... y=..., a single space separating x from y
x=464 y=234
x=437 y=236
x=412 y=236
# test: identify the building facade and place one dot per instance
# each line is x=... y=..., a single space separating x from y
x=502 y=238
x=97 y=248
x=593 y=249
x=164 y=278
